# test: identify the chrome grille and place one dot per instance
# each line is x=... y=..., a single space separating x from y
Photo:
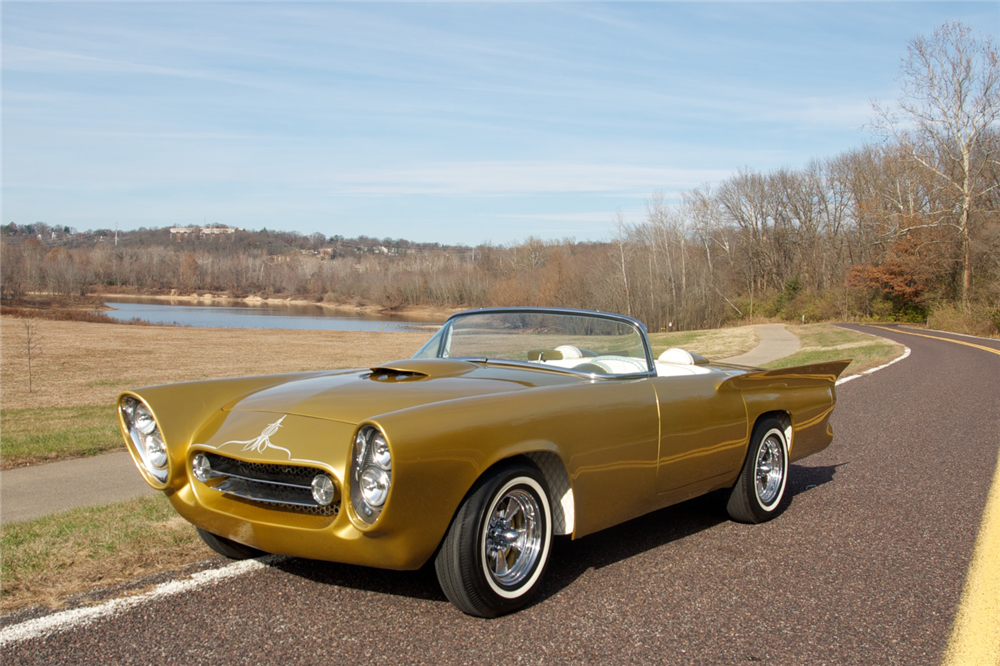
x=282 y=486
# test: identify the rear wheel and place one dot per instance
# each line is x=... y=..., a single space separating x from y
x=758 y=492
x=497 y=547
x=228 y=547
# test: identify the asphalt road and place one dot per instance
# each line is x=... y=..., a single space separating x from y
x=865 y=566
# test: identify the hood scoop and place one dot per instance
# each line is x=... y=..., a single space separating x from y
x=415 y=369
x=389 y=376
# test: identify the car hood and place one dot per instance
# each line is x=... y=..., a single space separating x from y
x=355 y=395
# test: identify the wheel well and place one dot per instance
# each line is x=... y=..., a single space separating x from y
x=784 y=418
x=556 y=478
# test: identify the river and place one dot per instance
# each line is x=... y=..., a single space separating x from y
x=240 y=315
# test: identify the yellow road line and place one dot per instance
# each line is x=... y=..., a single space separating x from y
x=936 y=337
x=975 y=633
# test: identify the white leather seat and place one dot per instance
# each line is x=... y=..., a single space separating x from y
x=569 y=351
x=619 y=365
x=677 y=362
x=676 y=355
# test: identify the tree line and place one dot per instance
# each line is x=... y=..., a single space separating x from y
x=905 y=228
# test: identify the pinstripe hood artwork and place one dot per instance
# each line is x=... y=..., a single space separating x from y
x=509 y=427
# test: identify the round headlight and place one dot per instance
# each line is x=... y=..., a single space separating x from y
x=156 y=451
x=380 y=452
x=371 y=473
x=201 y=468
x=144 y=421
x=128 y=410
x=374 y=486
x=323 y=490
x=145 y=437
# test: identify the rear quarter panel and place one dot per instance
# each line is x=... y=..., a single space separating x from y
x=807 y=393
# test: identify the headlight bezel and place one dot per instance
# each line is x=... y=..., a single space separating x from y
x=370 y=474
x=146 y=443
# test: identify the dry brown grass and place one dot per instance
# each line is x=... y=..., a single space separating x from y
x=79 y=363
x=982 y=320
x=713 y=344
x=61 y=314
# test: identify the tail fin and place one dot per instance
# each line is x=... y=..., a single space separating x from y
x=800 y=376
x=807 y=395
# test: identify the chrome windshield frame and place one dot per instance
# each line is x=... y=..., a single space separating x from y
x=442 y=337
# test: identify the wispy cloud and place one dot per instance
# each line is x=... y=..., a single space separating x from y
x=410 y=119
x=517 y=178
x=27 y=59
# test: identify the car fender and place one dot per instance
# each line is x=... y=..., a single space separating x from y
x=440 y=450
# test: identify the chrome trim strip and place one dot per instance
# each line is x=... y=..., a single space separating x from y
x=258 y=482
x=248 y=494
x=217 y=474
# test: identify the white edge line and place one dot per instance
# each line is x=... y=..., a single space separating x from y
x=77 y=617
x=844 y=380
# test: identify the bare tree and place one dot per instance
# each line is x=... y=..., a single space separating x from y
x=621 y=242
x=12 y=273
x=950 y=98
x=32 y=340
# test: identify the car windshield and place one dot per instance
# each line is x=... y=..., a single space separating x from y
x=592 y=343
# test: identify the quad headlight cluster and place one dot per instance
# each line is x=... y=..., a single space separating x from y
x=146 y=438
x=371 y=473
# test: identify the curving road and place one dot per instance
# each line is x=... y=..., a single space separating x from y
x=866 y=565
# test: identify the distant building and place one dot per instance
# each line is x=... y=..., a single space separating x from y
x=178 y=233
x=183 y=232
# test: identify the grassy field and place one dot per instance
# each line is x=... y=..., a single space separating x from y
x=823 y=342
x=81 y=367
x=78 y=369
x=714 y=344
x=39 y=435
x=79 y=363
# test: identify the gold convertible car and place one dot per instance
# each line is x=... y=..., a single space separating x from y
x=509 y=426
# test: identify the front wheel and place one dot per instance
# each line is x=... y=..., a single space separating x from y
x=497 y=547
x=758 y=492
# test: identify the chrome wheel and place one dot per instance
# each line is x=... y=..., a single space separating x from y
x=770 y=469
x=499 y=542
x=759 y=490
x=512 y=539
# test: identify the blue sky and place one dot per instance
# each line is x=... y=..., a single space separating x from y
x=456 y=123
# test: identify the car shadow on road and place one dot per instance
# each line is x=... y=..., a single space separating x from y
x=570 y=559
x=419 y=584
x=802 y=478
